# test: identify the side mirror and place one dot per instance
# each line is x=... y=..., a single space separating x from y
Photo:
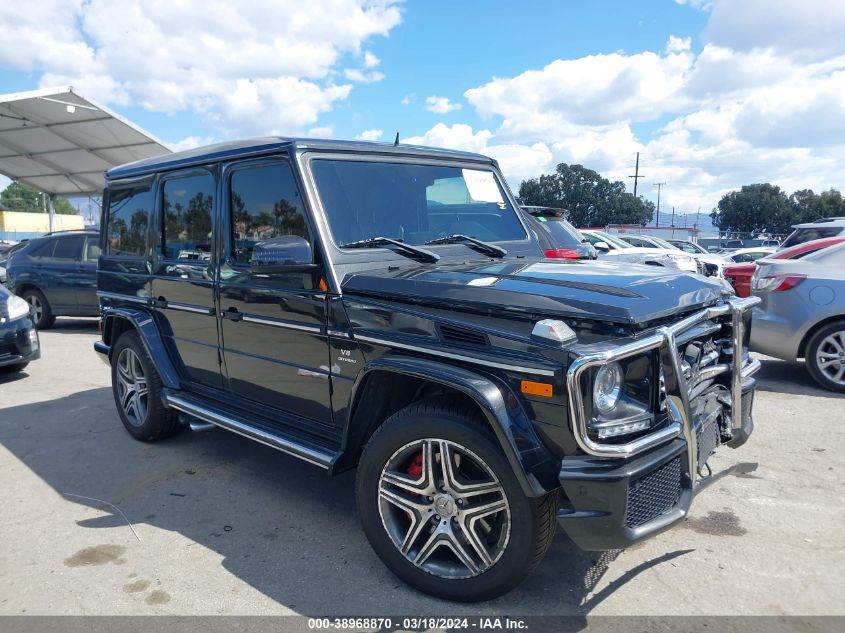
x=602 y=246
x=282 y=255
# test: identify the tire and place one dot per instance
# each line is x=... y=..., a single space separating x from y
x=10 y=369
x=136 y=387
x=43 y=318
x=516 y=538
x=825 y=356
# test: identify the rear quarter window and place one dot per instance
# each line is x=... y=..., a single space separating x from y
x=128 y=220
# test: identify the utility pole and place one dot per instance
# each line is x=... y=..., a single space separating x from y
x=636 y=175
x=673 y=217
x=658 y=185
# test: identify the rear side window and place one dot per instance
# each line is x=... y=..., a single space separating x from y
x=69 y=247
x=265 y=204
x=187 y=203
x=562 y=235
x=128 y=218
x=799 y=236
x=44 y=249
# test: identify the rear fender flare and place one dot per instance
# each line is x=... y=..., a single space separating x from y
x=144 y=324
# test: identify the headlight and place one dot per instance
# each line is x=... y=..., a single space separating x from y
x=607 y=387
x=16 y=308
x=624 y=395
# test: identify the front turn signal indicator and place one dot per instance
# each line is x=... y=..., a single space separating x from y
x=536 y=388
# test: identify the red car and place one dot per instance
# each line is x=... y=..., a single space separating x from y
x=740 y=274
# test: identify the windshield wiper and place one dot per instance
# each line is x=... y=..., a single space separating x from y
x=484 y=247
x=401 y=247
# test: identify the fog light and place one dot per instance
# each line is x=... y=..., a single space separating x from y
x=33 y=339
x=623 y=429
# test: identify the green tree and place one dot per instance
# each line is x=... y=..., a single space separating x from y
x=20 y=197
x=757 y=208
x=591 y=199
x=809 y=206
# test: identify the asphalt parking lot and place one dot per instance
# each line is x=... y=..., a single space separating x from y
x=221 y=525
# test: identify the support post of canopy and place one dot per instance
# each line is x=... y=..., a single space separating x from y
x=50 y=209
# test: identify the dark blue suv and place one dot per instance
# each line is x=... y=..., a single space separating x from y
x=57 y=275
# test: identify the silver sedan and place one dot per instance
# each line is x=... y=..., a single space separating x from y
x=802 y=314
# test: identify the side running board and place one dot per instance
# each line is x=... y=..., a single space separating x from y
x=195 y=407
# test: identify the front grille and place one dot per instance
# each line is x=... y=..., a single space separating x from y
x=653 y=495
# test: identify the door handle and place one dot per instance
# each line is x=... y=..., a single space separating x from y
x=160 y=302
x=232 y=314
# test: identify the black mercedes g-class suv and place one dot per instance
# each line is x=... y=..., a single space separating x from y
x=383 y=307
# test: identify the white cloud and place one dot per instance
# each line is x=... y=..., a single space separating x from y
x=353 y=74
x=678 y=44
x=370 y=135
x=441 y=105
x=190 y=142
x=257 y=67
x=325 y=131
x=811 y=29
x=518 y=162
x=370 y=60
x=457 y=136
x=704 y=5
x=592 y=90
x=408 y=99
x=705 y=122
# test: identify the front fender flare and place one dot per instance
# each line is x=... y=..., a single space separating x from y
x=143 y=323
x=535 y=467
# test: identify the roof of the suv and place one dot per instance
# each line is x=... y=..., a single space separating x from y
x=249 y=147
x=834 y=222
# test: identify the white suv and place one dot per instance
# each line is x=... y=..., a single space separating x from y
x=826 y=227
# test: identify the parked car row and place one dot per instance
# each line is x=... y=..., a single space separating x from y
x=802 y=314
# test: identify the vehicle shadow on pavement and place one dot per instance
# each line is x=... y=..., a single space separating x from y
x=7 y=377
x=781 y=376
x=74 y=325
x=280 y=525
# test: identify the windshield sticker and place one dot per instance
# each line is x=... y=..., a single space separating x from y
x=482 y=186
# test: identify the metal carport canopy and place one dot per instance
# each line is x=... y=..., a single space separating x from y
x=61 y=143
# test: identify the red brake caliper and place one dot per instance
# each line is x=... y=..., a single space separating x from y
x=415 y=467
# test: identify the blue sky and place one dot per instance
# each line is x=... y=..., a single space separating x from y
x=705 y=90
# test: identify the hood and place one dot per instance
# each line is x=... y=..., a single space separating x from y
x=627 y=294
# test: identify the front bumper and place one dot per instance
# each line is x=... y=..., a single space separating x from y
x=19 y=342
x=612 y=504
x=617 y=495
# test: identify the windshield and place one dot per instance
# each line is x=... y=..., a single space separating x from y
x=607 y=237
x=690 y=247
x=664 y=244
x=413 y=203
